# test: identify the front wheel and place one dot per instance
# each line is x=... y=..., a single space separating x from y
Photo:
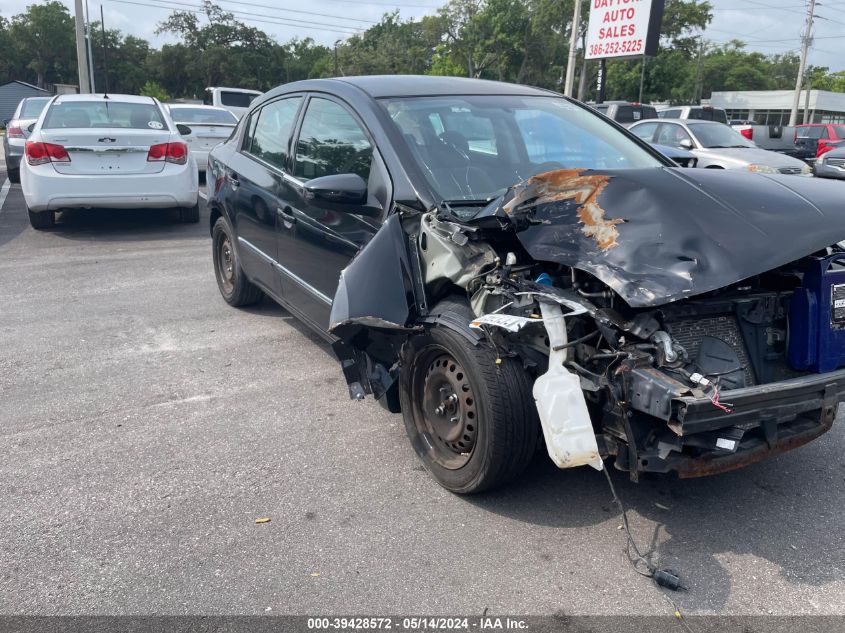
x=236 y=289
x=14 y=176
x=471 y=419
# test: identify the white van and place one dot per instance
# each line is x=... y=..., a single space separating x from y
x=235 y=100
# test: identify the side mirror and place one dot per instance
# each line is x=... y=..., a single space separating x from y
x=337 y=189
x=686 y=144
x=184 y=130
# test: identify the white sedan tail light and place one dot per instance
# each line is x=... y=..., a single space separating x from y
x=176 y=153
x=38 y=153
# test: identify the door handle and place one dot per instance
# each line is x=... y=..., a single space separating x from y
x=289 y=219
x=232 y=177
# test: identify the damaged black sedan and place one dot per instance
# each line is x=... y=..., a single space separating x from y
x=506 y=267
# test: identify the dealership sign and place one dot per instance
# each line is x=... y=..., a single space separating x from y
x=624 y=28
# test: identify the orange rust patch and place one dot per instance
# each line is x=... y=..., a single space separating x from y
x=570 y=184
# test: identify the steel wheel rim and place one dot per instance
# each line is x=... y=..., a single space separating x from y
x=446 y=415
x=226 y=265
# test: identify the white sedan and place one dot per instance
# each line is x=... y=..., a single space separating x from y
x=203 y=127
x=114 y=151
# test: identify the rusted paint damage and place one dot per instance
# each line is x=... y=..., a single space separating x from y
x=571 y=184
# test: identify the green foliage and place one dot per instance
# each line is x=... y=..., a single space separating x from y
x=155 y=90
x=523 y=41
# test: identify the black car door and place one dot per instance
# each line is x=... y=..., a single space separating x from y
x=256 y=180
x=317 y=240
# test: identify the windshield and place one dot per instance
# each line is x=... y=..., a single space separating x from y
x=475 y=147
x=201 y=116
x=31 y=108
x=104 y=113
x=717 y=135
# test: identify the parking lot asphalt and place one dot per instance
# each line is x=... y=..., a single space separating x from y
x=145 y=425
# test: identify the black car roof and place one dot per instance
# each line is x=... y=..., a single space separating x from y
x=379 y=86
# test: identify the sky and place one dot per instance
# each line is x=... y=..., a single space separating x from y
x=767 y=26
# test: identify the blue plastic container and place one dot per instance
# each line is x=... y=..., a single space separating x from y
x=817 y=318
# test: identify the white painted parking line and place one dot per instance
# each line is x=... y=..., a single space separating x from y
x=4 y=191
x=203 y=195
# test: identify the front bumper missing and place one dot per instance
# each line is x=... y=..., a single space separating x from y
x=766 y=420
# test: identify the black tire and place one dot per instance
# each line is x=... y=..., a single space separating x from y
x=190 y=215
x=41 y=220
x=235 y=288
x=14 y=176
x=497 y=420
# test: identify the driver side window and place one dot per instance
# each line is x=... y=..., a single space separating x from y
x=331 y=142
x=672 y=135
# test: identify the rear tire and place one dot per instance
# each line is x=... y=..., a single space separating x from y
x=235 y=288
x=14 y=176
x=190 y=215
x=41 y=220
x=472 y=422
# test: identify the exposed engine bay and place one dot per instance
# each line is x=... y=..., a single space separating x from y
x=677 y=352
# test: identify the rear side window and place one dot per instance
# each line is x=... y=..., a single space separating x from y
x=270 y=132
x=31 y=108
x=331 y=142
x=839 y=130
x=104 y=113
x=236 y=99
x=645 y=131
x=208 y=98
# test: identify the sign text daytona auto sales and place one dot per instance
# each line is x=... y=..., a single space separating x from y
x=618 y=28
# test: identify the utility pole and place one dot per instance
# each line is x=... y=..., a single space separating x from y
x=573 y=40
x=88 y=42
x=806 y=39
x=81 y=51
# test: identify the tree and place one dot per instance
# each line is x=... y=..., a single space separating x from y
x=43 y=35
x=155 y=90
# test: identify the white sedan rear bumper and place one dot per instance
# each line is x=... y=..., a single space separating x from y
x=45 y=189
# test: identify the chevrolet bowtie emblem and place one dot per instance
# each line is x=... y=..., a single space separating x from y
x=106 y=139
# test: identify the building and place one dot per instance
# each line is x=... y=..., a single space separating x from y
x=11 y=95
x=773 y=107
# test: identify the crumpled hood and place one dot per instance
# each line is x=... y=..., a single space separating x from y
x=658 y=235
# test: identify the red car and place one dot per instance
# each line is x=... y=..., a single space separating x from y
x=815 y=139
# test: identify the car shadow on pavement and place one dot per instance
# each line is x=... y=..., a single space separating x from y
x=12 y=224
x=267 y=307
x=786 y=511
x=127 y=225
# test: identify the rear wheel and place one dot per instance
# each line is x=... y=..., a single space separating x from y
x=41 y=220
x=14 y=176
x=471 y=421
x=190 y=215
x=236 y=289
